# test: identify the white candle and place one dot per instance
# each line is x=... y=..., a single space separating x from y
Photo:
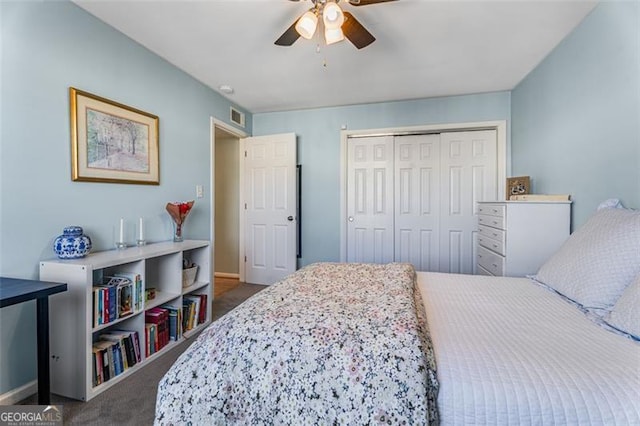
x=121 y=240
x=141 y=237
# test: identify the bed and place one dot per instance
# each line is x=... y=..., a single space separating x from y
x=331 y=344
x=366 y=344
x=503 y=359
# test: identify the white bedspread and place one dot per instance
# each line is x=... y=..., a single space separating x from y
x=511 y=352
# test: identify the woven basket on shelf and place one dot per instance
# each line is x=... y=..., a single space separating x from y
x=189 y=276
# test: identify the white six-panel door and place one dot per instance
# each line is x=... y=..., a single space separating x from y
x=370 y=200
x=270 y=207
x=468 y=164
x=412 y=198
x=417 y=200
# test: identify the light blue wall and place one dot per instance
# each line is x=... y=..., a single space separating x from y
x=318 y=132
x=576 y=118
x=46 y=48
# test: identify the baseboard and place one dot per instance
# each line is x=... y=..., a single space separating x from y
x=226 y=275
x=18 y=394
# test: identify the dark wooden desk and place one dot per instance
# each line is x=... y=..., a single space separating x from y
x=13 y=291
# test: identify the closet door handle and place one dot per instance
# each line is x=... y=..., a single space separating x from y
x=350 y=219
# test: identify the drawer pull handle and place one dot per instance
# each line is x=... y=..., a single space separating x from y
x=495 y=246
x=495 y=235
x=495 y=265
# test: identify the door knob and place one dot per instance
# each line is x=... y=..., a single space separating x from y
x=290 y=218
x=350 y=218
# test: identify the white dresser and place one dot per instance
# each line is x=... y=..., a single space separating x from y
x=516 y=237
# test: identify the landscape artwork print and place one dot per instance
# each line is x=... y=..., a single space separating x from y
x=116 y=143
x=112 y=142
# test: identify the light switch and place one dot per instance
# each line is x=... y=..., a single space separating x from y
x=198 y=191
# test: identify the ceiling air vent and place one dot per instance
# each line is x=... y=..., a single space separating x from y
x=237 y=117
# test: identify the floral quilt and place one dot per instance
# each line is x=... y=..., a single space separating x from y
x=332 y=344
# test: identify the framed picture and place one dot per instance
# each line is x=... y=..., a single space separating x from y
x=111 y=142
x=519 y=185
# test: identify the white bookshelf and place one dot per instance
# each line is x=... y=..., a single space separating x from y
x=72 y=330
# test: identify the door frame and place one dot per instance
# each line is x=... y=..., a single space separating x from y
x=504 y=156
x=215 y=122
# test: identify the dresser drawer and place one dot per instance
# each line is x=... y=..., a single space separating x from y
x=492 y=262
x=493 y=221
x=496 y=234
x=491 y=244
x=492 y=209
x=481 y=271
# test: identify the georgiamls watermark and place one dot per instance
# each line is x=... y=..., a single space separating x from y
x=31 y=415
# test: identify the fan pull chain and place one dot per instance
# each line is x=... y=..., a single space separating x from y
x=324 y=57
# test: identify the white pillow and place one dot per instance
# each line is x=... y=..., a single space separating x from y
x=598 y=261
x=625 y=315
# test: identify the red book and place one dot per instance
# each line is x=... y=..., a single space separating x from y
x=153 y=318
x=105 y=305
x=160 y=317
x=202 y=317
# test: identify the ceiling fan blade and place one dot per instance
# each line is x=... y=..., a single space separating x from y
x=355 y=32
x=288 y=37
x=366 y=2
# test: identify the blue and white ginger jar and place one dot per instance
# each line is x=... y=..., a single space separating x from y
x=72 y=244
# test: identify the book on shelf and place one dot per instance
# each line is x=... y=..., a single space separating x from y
x=125 y=298
x=112 y=366
x=194 y=310
x=102 y=351
x=136 y=346
x=138 y=296
x=97 y=366
x=175 y=325
x=540 y=197
x=150 y=339
x=190 y=311
x=127 y=345
x=117 y=358
x=159 y=317
x=113 y=298
x=105 y=304
x=97 y=306
x=203 y=309
x=113 y=353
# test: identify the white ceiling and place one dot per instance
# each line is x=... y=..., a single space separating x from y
x=424 y=48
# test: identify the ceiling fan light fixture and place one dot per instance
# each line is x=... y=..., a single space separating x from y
x=333 y=35
x=332 y=16
x=306 y=25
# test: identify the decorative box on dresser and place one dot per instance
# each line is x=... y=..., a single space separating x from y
x=74 y=330
x=516 y=237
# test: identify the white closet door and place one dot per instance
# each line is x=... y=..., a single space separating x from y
x=417 y=201
x=468 y=164
x=370 y=199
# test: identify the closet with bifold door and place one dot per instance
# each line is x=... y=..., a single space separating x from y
x=413 y=198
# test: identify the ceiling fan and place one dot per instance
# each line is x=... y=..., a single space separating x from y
x=336 y=23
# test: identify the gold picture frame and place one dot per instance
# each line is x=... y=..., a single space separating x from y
x=519 y=185
x=112 y=142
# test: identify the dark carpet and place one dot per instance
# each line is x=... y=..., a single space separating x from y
x=132 y=401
